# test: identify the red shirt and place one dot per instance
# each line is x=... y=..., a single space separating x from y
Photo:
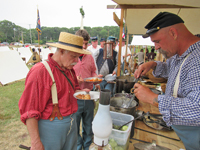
x=86 y=68
x=36 y=100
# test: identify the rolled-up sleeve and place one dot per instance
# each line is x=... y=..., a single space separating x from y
x=34 y=97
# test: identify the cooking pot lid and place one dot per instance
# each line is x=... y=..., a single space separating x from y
x=149 y=146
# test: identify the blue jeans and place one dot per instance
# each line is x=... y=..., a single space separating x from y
x=59 y=134
x=189 y=135
x=108 y=86
x=86 y=113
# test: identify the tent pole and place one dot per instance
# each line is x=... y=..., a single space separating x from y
x=120 y=43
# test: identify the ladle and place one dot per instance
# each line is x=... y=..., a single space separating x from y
x=134 y=119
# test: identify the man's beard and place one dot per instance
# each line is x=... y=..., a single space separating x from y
x=164 y=53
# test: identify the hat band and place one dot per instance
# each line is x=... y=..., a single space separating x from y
x=72 y=45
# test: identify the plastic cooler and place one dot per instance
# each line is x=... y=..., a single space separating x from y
x=121 y=137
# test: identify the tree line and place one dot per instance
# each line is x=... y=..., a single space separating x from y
x=10 y=32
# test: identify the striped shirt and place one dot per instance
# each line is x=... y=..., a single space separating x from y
x=185 y=109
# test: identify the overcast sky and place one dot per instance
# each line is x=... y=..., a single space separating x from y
x=58 y=13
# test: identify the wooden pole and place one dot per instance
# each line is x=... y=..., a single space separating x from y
x=120 y=43
x=145 y=53
x=39 y=45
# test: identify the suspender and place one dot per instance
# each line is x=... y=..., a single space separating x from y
x=176 y=85
x=54 y=95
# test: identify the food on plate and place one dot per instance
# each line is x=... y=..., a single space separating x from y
x=93 y=80
x=83 y=96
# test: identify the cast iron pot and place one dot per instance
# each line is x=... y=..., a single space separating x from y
x=124 y=83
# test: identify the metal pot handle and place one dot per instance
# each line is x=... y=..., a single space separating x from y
x=132 y=90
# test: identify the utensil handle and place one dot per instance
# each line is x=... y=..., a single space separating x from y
x=24 y=147
x=133 y=120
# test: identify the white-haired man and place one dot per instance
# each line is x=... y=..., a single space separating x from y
x=53 y=126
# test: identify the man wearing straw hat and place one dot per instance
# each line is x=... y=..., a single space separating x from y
x=53 y=126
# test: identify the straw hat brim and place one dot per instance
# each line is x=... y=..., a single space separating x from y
x=69 y=48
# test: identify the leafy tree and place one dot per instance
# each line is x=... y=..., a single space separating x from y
x=9 y=32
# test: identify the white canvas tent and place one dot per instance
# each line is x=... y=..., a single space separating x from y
x=44 y=53
x=12 y=67
x=4 y=48
x=139 y=40
x=25 y=52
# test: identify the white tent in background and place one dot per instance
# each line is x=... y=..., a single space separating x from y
x=12 y=67
x=25 y=52
x=4 y=48
x=44 y=54
x=139 y=40
x=53 y=49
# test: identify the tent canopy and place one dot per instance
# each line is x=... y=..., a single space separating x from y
x=139 y=40
x=138 y=13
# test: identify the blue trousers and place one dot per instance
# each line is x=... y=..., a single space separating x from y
x=108 y=86
x=189 y=135
x=85 y=113
x=59 y=134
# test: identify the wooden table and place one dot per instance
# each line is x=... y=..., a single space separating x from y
x=149 y=137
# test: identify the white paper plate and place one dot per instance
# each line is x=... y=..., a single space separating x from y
x=93 y=94
x=110 y=77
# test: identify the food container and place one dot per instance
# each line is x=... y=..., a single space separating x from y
x=115 y=105
x=121 y=137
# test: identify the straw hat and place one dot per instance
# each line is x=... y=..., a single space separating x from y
x=70 y=42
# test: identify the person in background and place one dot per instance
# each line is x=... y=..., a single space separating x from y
x=146 y=54
x=116 y=44
x=180 y=104
x=123 y=54
x=53 y=126
x=140 y=56
x=94 y=47
x=151 y=55
x=102 y=42
x=85 y=68
x=107 y=66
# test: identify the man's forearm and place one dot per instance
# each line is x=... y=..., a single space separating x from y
x=32 y=126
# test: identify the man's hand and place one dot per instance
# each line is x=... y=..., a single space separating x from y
x=80 y=79
x=113 y=73
x=100 y=76
x=37 y=146
x=144 y=68
x=86 y=90
x=98 y=87
x=144 y=94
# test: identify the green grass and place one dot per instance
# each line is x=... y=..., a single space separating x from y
x=9 y=97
